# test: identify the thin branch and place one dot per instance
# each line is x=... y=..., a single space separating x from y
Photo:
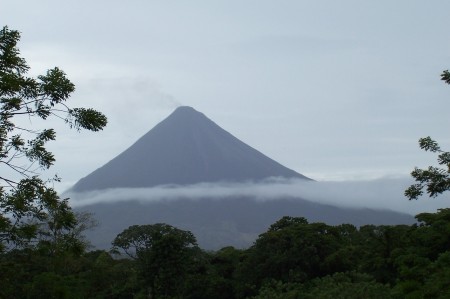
x=10 y=182
x=58 y=116
x=19 y=169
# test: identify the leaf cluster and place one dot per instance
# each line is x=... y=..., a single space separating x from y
x=435 y=180
x=33 y=98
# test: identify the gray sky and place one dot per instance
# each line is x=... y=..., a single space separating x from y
x=336 y=90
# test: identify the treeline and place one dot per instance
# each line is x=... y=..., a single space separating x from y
x=292 y=259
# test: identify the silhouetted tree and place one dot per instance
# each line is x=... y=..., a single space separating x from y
x=435 y=180
x=25 y=199
x=163 y=254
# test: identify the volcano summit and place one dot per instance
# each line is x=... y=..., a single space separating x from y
x=185 y=148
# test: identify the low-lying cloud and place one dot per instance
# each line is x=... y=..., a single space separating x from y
x=385 y=193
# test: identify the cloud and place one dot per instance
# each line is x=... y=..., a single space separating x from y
x=385 y=193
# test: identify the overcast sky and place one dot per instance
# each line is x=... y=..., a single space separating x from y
x=336 y=90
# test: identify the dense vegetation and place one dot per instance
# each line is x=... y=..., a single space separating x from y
x=43 y=253
x=292 y=259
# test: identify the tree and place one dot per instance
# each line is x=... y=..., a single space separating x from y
x=162 y=253
x=63 y=231
x=292 y=250
x=436 y=180
x=438 y=283
x=25 y=199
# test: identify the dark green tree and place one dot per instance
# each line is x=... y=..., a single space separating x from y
x=217 y=276
x=437 y=284
x=380 y=246
x=292 y=250
x=435 y=180
x=106 y=277
x=433 y=233
x=163 y=254
x=421 y=264
x=26 y=201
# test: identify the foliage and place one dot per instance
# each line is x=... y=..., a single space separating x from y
x=26 y=202
x=48 y=285
x=163 y=254
x=294 y=251
x=41 y=242
x=295 y=260
x=438 y=283
x=380 y=247
x=349 y=285
x=436 y=180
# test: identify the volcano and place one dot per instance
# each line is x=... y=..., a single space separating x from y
x=185 y=148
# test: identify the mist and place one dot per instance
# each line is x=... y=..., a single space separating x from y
x=382 y=194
